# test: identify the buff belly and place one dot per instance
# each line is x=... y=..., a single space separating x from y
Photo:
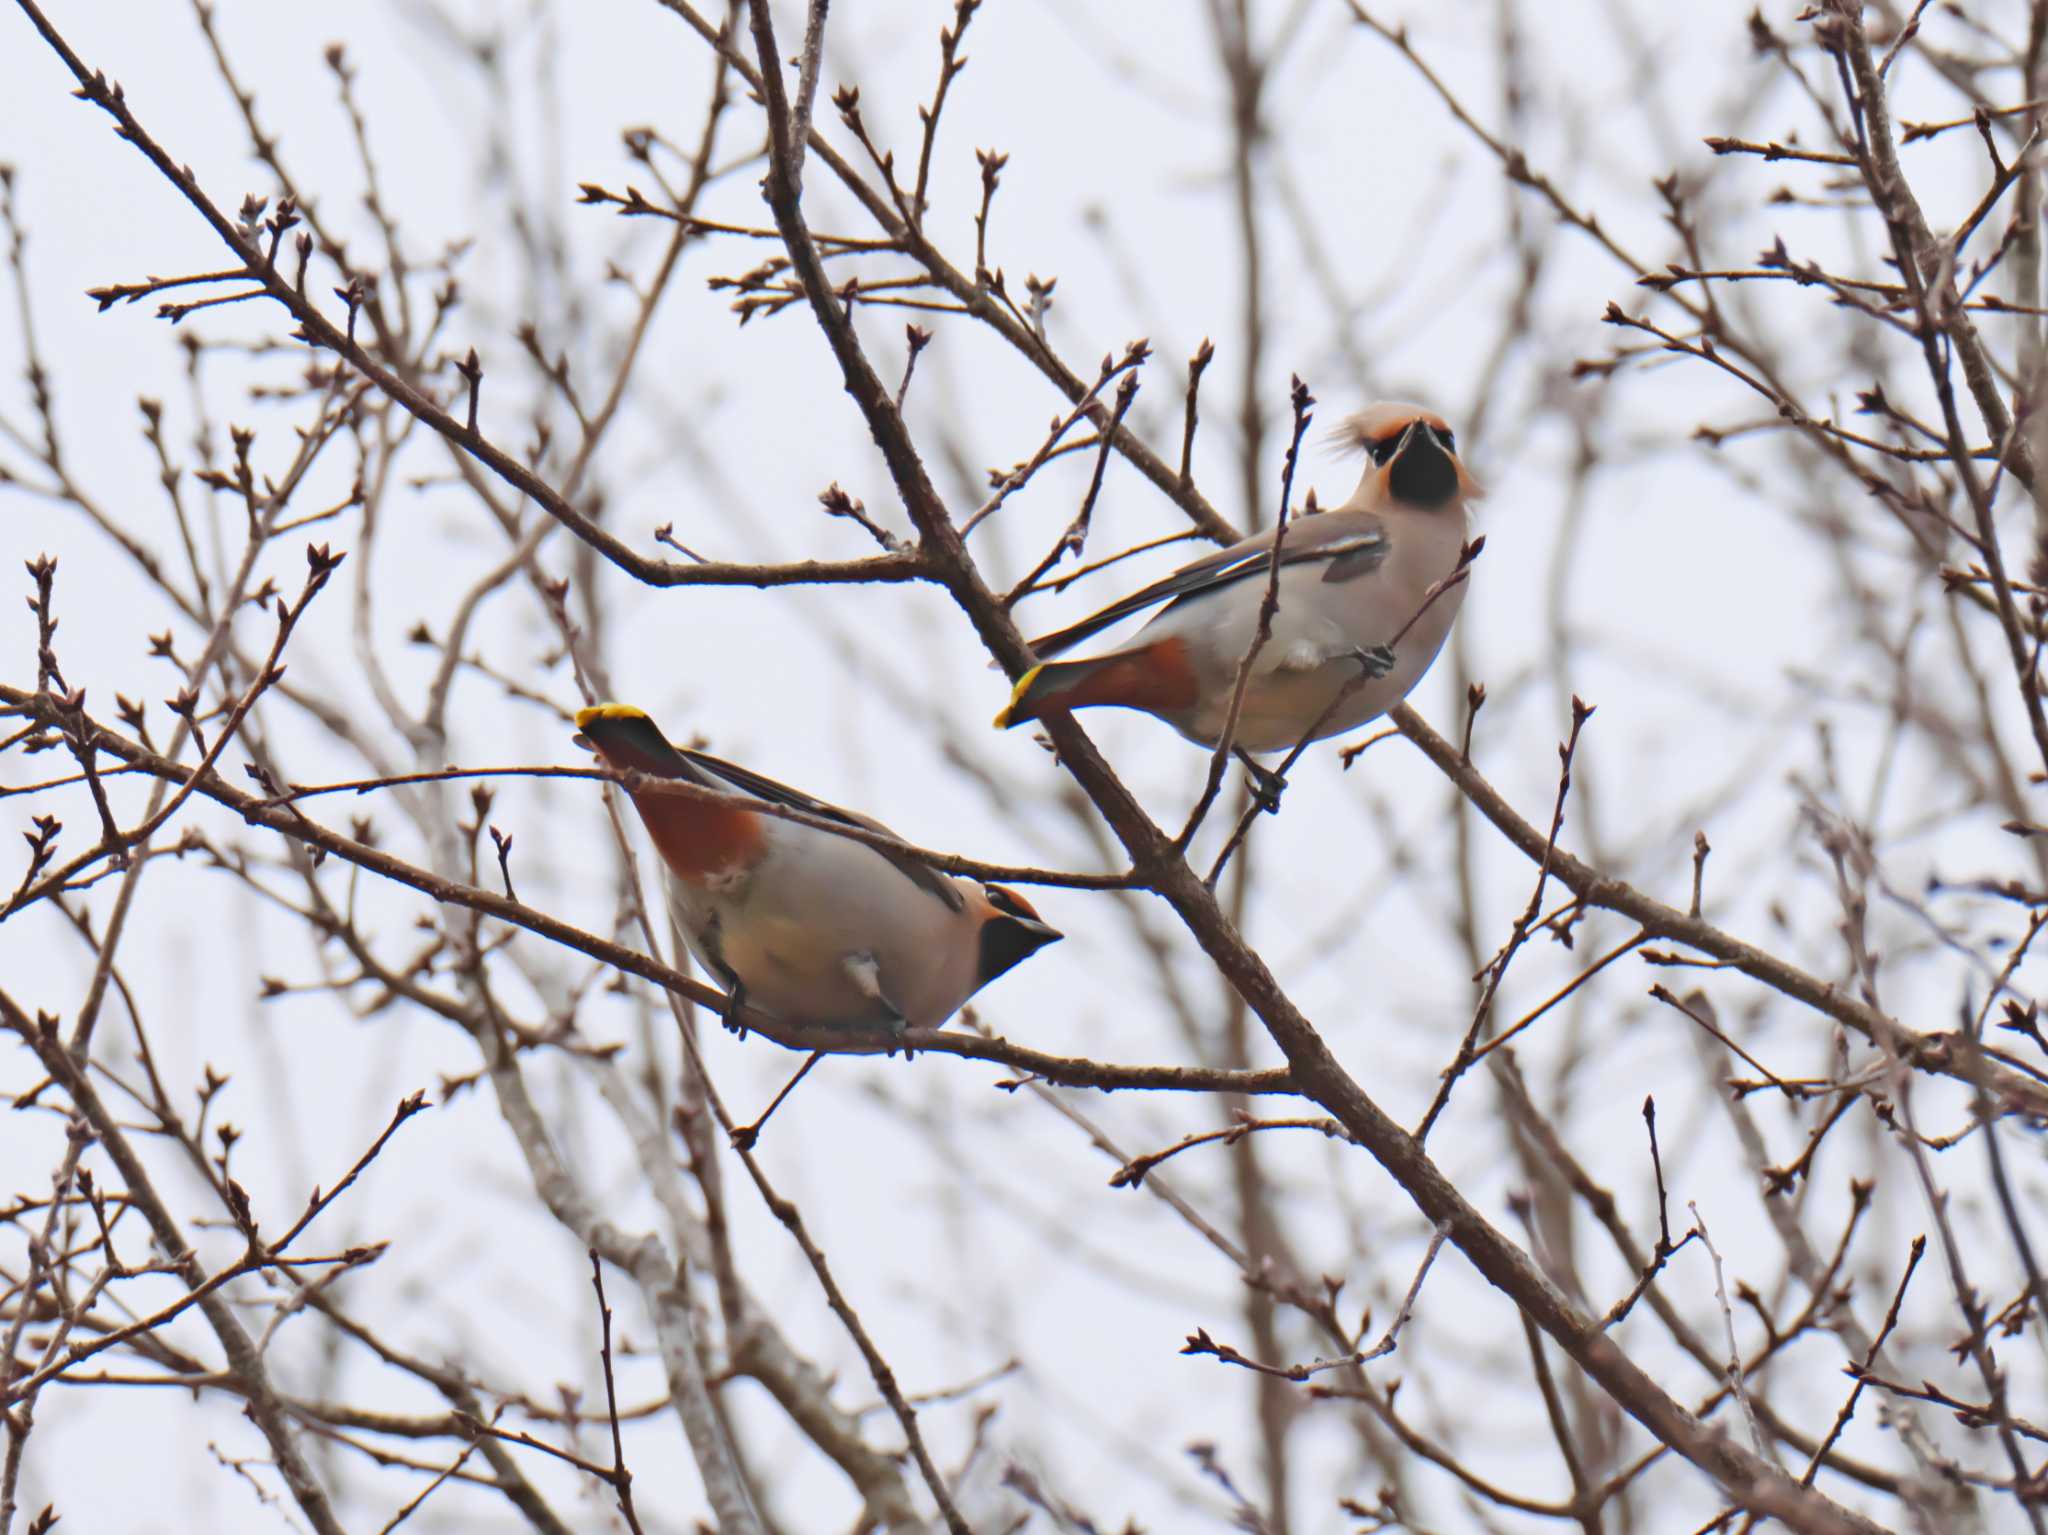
x=797 y=929
x=1285 y=698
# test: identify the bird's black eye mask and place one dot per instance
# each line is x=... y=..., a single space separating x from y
x=1386 y=447
x=1014 y=934
x=1009 y=903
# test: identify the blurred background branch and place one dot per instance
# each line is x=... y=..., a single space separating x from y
x=1738 y=321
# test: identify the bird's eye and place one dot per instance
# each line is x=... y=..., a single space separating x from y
x=1383 y=450
x=1009 y=903
x=1448 y=438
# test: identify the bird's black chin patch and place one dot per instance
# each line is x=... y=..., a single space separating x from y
x=1423 y=475
x=1007 y=941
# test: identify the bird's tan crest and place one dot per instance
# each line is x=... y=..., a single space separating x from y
x=1376 y=423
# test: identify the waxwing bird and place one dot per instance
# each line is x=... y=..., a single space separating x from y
x=1352 y=581
x=806 y=926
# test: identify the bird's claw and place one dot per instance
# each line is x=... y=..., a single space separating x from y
x=1266 y=787
x=895 y=1026
x=729 y=1015
x=1376 y=660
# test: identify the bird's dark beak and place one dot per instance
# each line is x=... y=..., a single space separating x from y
x=1008 y=941
x=1423 y=473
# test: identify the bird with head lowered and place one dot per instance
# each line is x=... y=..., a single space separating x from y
x=800 y=923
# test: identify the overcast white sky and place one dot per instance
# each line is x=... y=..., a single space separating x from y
x=969 y=1224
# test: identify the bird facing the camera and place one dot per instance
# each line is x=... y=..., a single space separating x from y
x=1352 y=581
x=800 y=923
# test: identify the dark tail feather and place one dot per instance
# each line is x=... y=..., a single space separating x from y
x=627 y=738
x=1067 y=638
x=1040 y=686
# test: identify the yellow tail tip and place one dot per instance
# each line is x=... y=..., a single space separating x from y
x=1006 y=716
x=585 y=718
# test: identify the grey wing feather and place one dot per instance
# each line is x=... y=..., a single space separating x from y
x=1213 y=570
x=922 y=875
x=1355 y=558
x=1350 y=555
